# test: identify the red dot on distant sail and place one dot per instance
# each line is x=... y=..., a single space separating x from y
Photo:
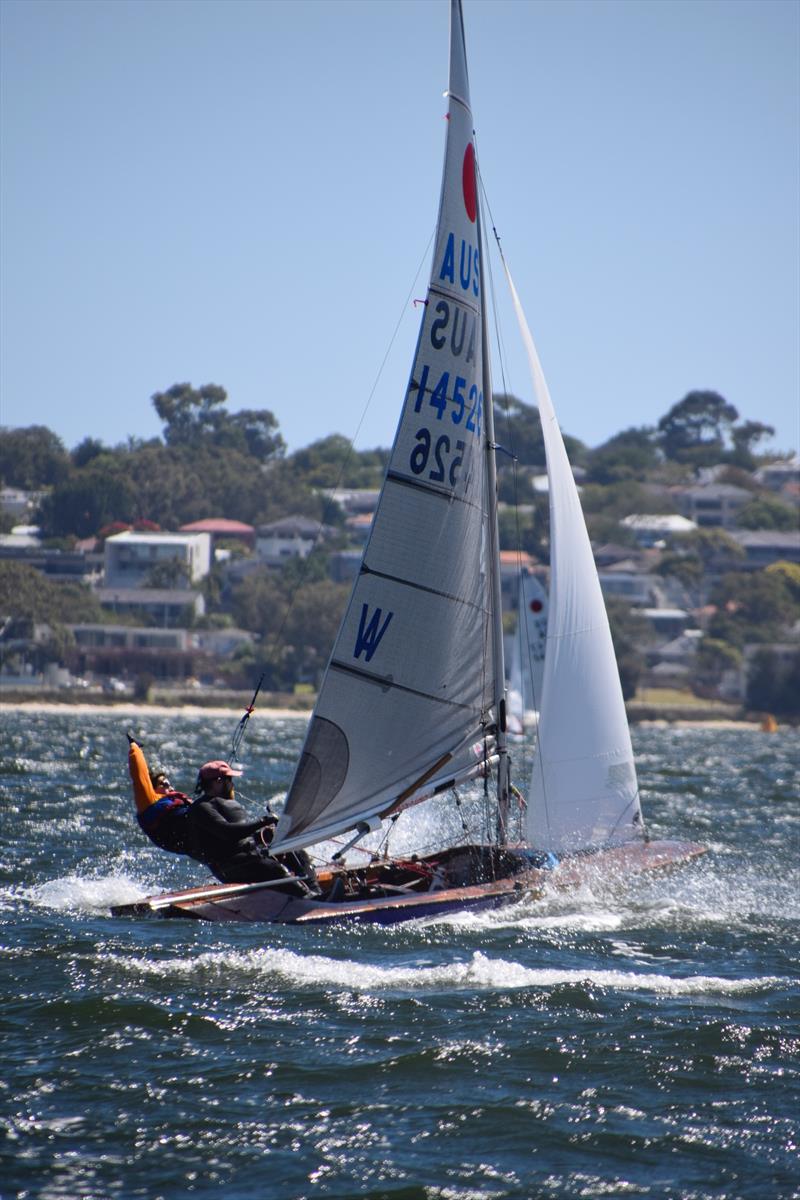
x=536 y=606
x=469 y=184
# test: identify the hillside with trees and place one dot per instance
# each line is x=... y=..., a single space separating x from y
x=210 y=462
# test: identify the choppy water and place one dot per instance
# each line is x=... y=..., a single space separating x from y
x=636 y=1039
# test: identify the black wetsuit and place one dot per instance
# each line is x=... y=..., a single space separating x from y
x=222 y=835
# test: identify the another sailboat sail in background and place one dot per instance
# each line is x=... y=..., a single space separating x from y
x=526 y=671
x=584 y=792
x=415 y=679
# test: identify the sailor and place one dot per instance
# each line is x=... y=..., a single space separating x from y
x=232 y=845
x=213 y=828
x=160 y=810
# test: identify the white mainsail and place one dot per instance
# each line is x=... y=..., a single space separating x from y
x=584 y=791
x=528 y=649
x=411 y=687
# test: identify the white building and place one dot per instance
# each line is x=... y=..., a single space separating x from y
x=129 y=558
x=656 y=529
x=291 y=537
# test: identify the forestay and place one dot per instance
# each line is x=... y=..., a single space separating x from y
x=407 y=695
x=583 y=790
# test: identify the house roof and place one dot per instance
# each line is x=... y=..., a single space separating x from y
x=516 y=558
x=150 y=539
x=610 y=552
x=715 y=491
x=626 y=566
x=297 y=526
x=220 y=526
x=659 y=522
x=125 y=595
x=674 y=614
x=775 y=539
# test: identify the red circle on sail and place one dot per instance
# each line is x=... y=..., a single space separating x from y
x=468 y=183
x=536 y=606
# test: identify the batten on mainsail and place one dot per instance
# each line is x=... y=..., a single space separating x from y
x=583 y=791
x=412 y=684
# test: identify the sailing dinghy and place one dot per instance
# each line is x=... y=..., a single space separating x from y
x=413 y=698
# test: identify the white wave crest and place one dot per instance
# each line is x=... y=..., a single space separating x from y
x=479 y=972
x=84 y=895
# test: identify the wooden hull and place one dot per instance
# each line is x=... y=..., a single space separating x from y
x=262 y=903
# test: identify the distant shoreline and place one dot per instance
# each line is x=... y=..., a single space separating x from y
x=137 y=709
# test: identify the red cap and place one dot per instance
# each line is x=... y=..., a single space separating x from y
x=218 y=769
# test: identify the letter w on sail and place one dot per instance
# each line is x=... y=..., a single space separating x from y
x=370 y=632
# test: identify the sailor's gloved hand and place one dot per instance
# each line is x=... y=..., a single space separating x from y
x=270 y=819
x=267 y=832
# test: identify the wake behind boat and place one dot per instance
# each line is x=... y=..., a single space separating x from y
x=413 y=699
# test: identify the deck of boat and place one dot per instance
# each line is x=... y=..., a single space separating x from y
x=461 y=886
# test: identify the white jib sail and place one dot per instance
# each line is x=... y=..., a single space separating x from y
x=527 y=658
x=584 y=791
x=406 y=696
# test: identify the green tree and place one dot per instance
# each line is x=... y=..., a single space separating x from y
x=745 y=437
x=519 y=430
x=331 y=462
x=621 y=499
x=756 y=607
x=168 y=575
x=604 y=527
x=630 y=634
x=86 y=450
x=311 y=628
x=686 y=568
x=695 y=429
x=191 y=415
x=790 y=573
x=147 y=482
x=709 y=544
x=31 y=458
x=90 y=498
x=628 y=455
x=28 y=594
x=714 y=657
x=766 y=512
x=254 y=432
x=197 y=417
x=258 y=603
x=526 y=527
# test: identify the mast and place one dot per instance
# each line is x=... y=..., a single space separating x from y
x=504 y=783
x=503 y=771
x=503 y=767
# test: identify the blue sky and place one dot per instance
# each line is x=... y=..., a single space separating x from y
x=243 y=192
